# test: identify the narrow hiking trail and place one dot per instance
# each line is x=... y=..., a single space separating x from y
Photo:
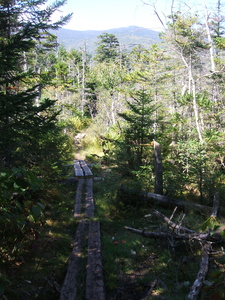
x=84 y=277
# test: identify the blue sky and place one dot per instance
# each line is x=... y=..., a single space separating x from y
x=107 y=14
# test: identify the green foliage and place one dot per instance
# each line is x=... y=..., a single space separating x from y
x=138 y=133
x=24 y=117
x=188 y=36
x=145 y=176
x=211 y=222
x=32 y=147
x=75 y=123
x=43 y=250
x=108 y=48
x=189 y=166
x=21 y=210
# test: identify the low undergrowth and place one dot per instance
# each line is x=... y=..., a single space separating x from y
x=37 y=269
x=135 y=267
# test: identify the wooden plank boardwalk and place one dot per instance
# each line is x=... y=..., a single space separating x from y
x=86 y=254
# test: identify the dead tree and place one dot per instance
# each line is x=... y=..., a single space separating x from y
x=158 y=169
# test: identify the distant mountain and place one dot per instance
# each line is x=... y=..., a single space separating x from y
x=128 y=37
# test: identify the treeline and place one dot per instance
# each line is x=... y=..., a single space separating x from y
x=172 y=92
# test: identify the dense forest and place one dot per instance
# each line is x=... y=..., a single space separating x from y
x=151 y=119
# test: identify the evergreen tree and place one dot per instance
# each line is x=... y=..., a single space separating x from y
x=139 y=131
x=22 y=25
x=31 y=145
x=108 y=48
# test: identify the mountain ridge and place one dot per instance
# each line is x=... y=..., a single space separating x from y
x=128 y=37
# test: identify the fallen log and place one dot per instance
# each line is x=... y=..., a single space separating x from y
x=171 y=235
x=172 y=203
x=204 y=265
x=164 y=201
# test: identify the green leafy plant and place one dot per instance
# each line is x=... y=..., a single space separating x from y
x=21 y=209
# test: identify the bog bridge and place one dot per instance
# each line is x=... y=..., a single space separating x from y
x=84 y=277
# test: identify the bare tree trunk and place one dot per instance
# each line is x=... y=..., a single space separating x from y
x=195 y=108
x=192 y=90
x=83 y=78
x=158 y=169
x=211 y=49
x=113 y=120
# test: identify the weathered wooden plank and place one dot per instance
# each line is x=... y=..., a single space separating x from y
x=86 y=169
x=78 y=199
x=94 y=271
x=78 y=170
x=94 y=277
x=70 y=286
x=89 y=200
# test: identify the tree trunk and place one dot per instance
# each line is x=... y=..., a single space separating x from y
x=172 y=203
x=83 y=78
x=216 y=204
x=158 y=169
x=211 y=47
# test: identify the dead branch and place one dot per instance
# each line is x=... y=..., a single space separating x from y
x=156 y=12
x=173 y=213
x=197 y=286
x=172 y=224
x=182 y=233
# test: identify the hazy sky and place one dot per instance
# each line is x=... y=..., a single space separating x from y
x=107 y=14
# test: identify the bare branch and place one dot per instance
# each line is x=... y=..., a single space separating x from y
x=155 y=12
x=171 y=217
x=172 y=224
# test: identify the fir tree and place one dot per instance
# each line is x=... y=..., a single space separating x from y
x=22 y=121
x=108 y=48
x=139 y=131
